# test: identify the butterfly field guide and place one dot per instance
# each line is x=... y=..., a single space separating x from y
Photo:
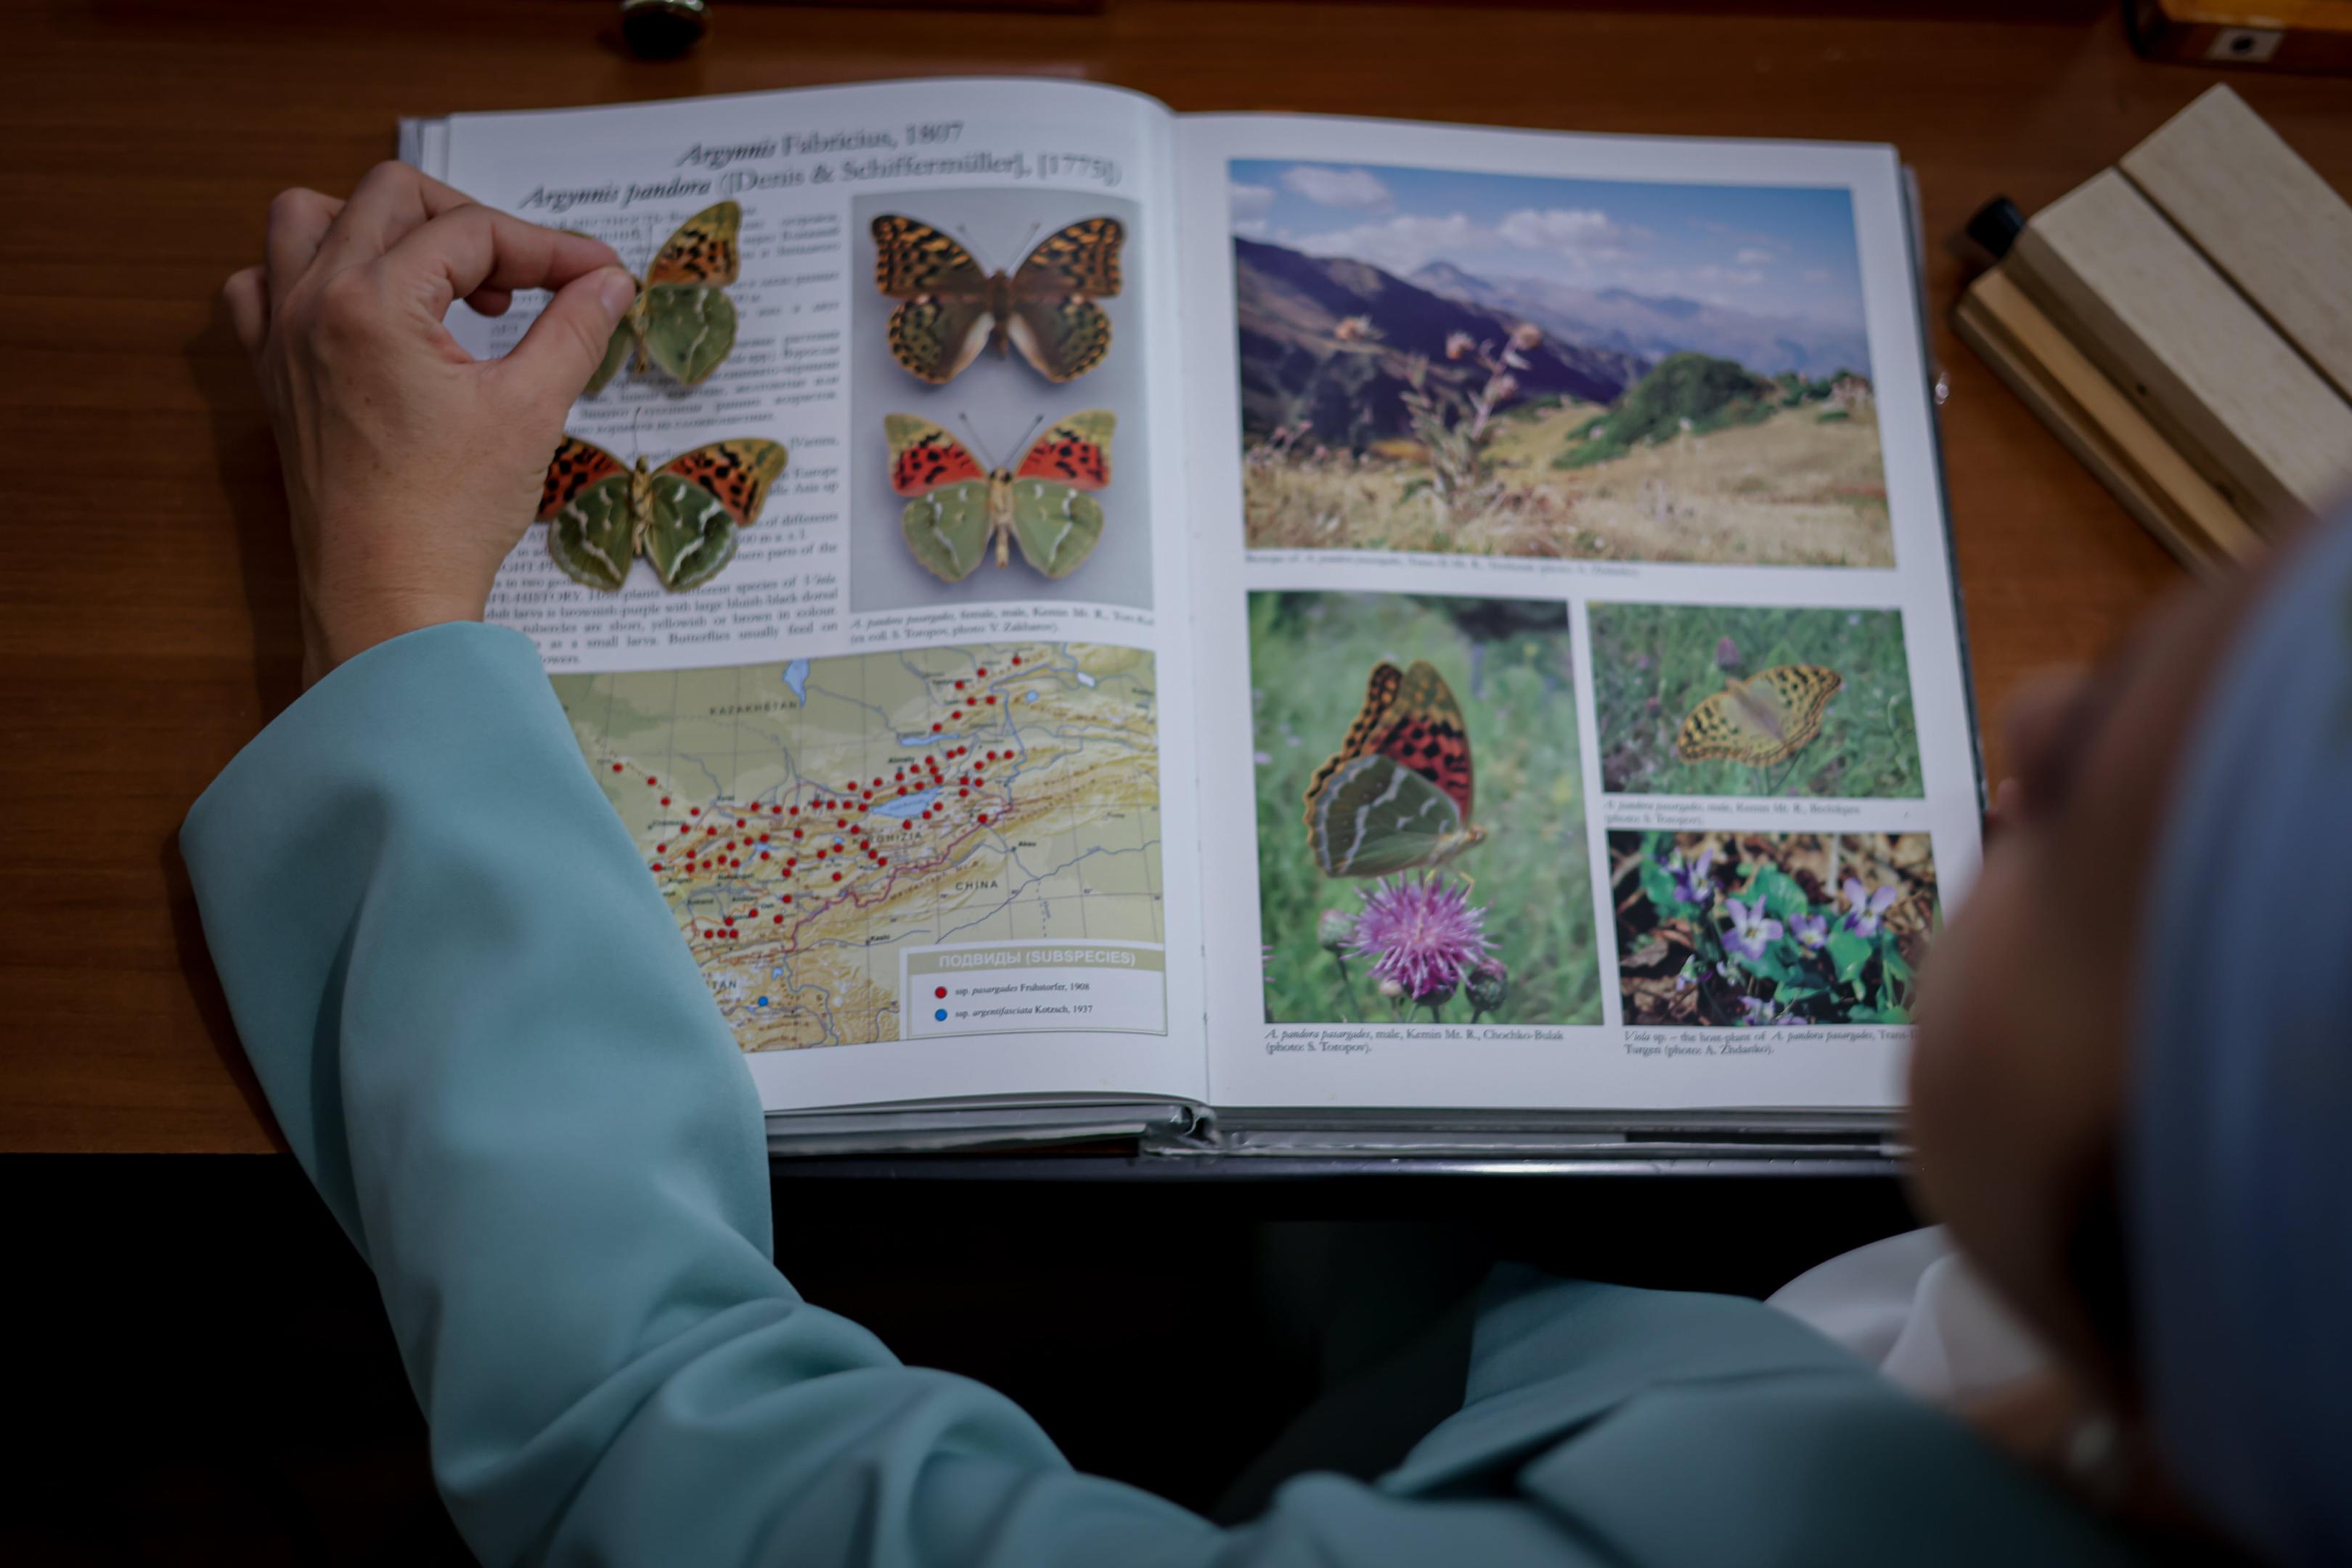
x=1254 y=634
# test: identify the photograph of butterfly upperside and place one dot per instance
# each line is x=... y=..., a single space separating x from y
x=953 y=308
x=682 y=320
x=683 y=517
x=958 y=510
x=1397 y=794
x=1738 y=700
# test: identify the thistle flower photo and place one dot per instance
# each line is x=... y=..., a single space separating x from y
x=1745 y=930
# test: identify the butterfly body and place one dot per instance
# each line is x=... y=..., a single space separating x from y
x=682 y=516
x=959 y=511
x=952 y=309
x=1397 y=794
x=682 y=320
x=1762 y=721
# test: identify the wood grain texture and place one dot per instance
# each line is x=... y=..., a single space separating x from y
x=2263 y=217
x=140 y=142
x=2200 y=361
x=2102 y=426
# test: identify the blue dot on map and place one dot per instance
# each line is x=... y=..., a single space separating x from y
x=941 y=1015
x=763 y=1001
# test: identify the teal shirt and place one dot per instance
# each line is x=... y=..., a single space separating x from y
x=486 y=1044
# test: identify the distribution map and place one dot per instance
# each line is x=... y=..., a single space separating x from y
x=809 y=822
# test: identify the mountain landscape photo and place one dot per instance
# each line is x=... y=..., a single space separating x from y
x=1664 y=385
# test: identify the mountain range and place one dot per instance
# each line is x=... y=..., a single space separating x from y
x=1296 y=363
x=1653 y=326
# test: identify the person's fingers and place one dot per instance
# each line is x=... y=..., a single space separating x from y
x=2032 y=728
x=470 y=247
x=299 y=224
x=247 y=299
x=566 y=345
x=490 y=302
x=391 y=202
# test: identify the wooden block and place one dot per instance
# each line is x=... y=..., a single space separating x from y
x=2201 y=364
x=2263 y=217
x=2096 y=421
x=2102 y=427
x=2280 y=35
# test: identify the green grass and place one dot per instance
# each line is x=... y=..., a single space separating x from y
x=1508 y=664
x=1652 y=664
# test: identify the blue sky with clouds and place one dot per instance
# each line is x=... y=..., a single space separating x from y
x=1776 y=250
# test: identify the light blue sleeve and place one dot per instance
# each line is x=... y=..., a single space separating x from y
x=484 y=1039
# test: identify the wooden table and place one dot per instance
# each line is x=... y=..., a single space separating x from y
x=146 y=598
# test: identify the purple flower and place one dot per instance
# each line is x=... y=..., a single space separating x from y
x=1755 y=1010
x=1422 y=933
x=1865 y=907
x=1810 y=931
x=1727 y=655
x=1691 y=886
x=1751 y=932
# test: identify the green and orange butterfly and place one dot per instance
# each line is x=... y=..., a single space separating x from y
x=683 y=517
x=1397 y=793
x=958 y=508
x=682 y=318
x=953 y=308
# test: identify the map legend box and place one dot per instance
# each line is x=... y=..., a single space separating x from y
x=1030 y=987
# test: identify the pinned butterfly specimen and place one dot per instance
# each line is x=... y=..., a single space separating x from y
x=682 y=318
x=960 y=508
x=1762 y=721
x=1396 y=794
x=681 y=517
x=1044 y=307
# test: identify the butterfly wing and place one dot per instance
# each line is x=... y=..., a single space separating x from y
x=923 y=457
x=704 y=250
x=946 y=521
x=945 y=320
x=690 y=533
x=1082 y=259
x=616 y=354
x=738 y=472
x=912 y=259
x=1424 y=733
x=1374 y=816
x=1055 y=322
x=1380 y=691
x=689 y=330
x=577 y=465
x=1056 y=523
x=592 y=533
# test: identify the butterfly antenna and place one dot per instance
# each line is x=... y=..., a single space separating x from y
x=973 y=431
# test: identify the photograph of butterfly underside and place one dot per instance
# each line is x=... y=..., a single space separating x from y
x=958 y=508
x=1717 y=701
x=953 y=308
x=682 y=321
x=683 y=517
x=1425 y=860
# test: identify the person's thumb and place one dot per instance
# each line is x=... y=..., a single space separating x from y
x=565 y=346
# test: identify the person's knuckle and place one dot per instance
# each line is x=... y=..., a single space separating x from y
x=390 y=172
x=344 y=306
x=293 y=204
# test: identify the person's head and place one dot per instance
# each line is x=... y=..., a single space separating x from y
x=2132 y=1028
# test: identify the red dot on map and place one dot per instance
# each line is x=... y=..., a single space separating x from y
x=883 y=860
x=734 y=863
x=902 y=789
x=780 y=919
x=957 y=714
x=763 y=855
x=983 y=674
x=940 y=991
x=659 y=848
x=651 y=780
x=796 y=811
x=656 y=864
x=992 y=700
x=763 y=839
x=983 y=818
x=963 y=793
x=798 y=834
x=709 y=832
x=616 y=767
x=694 y=811
x=959 y=686
x=665 y=800
x=788 y=898
x=934 y=729
x=836 y=876
x=1016 y=661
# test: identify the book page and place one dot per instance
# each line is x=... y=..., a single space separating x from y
x=901 y=762
x=1584 y=719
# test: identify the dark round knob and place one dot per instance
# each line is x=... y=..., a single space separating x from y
x=663 y=29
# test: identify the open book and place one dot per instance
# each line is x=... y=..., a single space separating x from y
x=1269 y=633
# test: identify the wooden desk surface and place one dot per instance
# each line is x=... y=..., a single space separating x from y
x=146 y=598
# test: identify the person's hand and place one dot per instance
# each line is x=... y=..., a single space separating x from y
x=411 y=467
